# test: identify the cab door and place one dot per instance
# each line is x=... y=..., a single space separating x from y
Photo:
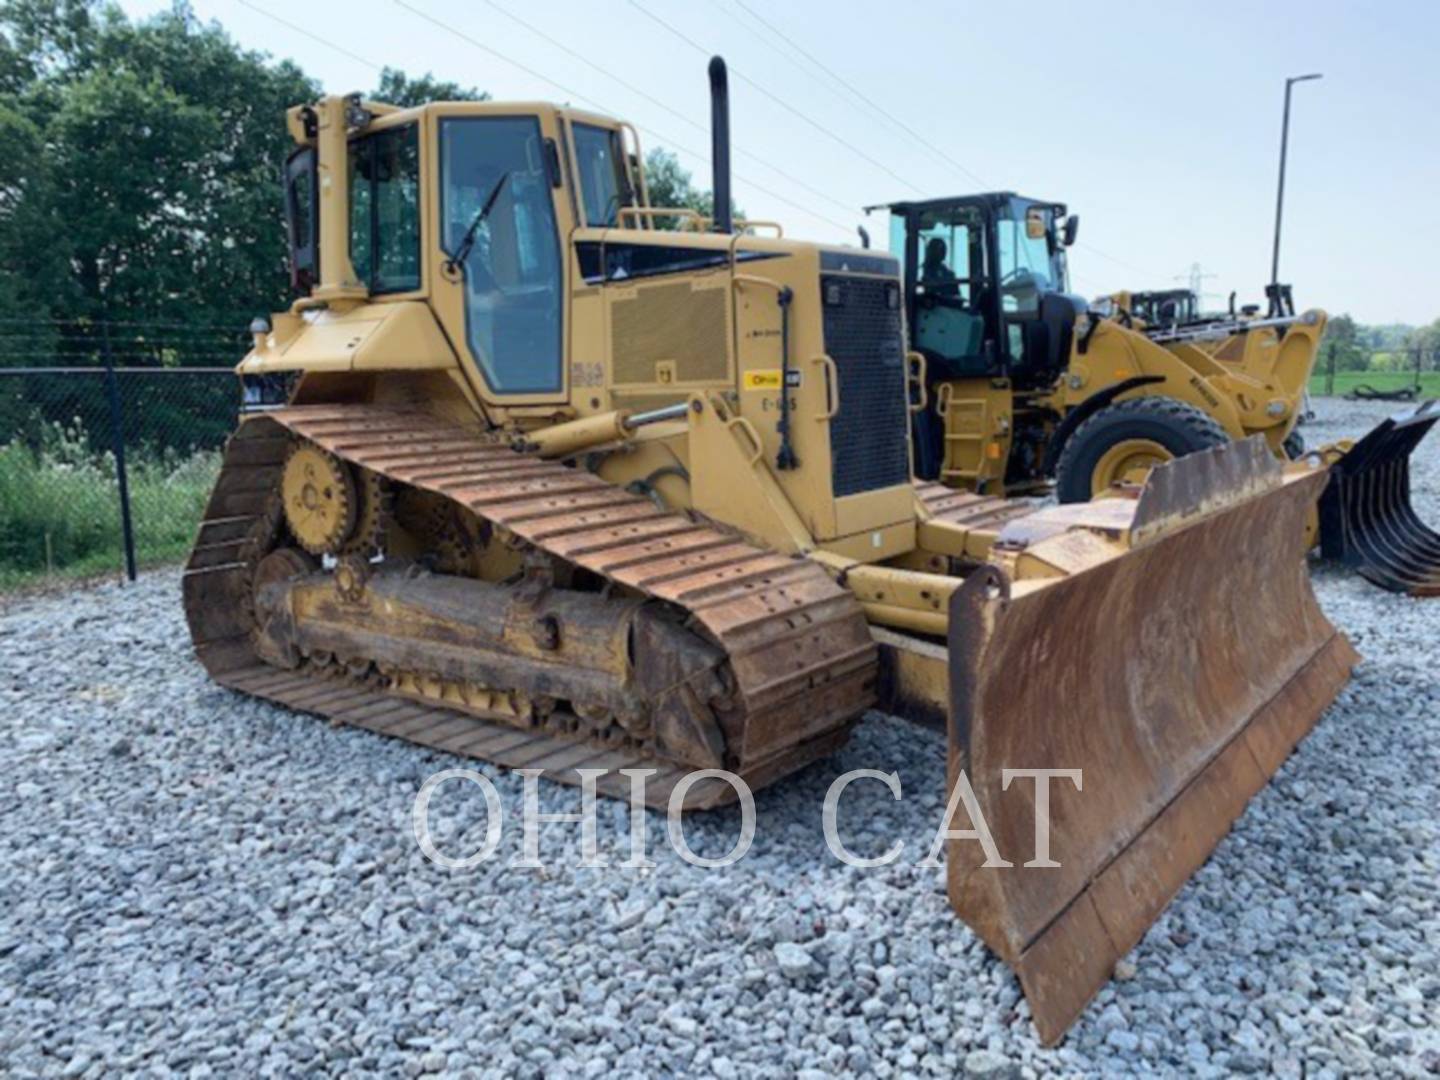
x=500 y=286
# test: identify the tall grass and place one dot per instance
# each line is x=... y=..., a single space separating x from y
x=60 y=507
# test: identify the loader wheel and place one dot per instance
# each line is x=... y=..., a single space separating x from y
x=1124 y=441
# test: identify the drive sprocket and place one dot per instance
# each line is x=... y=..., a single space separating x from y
x=320 y=499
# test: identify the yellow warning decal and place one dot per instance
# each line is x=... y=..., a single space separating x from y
x=767 y=379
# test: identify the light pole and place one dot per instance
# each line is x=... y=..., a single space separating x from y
x=1280 y=193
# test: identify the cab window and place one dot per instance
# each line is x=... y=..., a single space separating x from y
x=508 y=257
x=599 y=161
x=385 y=209
x=1026 y=266
x=952 y=292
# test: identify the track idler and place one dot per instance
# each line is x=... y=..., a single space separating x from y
x=1367 y=521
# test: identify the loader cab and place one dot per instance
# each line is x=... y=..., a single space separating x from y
x=986 y=285
x=1166 y=308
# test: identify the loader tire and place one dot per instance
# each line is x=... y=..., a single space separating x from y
x=1125 y=438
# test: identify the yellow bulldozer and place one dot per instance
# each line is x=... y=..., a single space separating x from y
x=521 y=476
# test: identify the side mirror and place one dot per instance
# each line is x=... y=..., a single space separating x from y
x=864 y=236
x=1070 y=229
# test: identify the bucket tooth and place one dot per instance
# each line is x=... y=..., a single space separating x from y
x=1367 y=521
x=1176 y=677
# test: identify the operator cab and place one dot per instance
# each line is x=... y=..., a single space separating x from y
x=986 y=287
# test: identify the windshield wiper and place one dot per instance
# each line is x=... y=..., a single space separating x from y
x=462 y=252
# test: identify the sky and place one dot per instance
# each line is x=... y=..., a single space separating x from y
x=1158 y=123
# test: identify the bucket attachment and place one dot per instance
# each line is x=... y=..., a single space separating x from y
x=1176 y=675
x=1366 y=519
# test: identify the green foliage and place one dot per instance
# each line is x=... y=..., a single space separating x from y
x=1427 y=340
x=396 y=88
x=1343 y=344
x=140 y=178
x=152 y=155
x=59 y=512
x=671 y=184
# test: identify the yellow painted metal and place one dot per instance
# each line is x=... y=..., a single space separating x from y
x=338 y=281
x=713 y=332
x=977 y=416
x=729 y=483
x=319 y=498
x=572 y=436
x=1128 y=461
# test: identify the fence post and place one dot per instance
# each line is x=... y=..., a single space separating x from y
x=117 y=443
x=1419 y=360
x=1330 y=373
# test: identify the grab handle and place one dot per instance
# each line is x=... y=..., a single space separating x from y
x=741 y=424
x=915 y=369
x=832 y=387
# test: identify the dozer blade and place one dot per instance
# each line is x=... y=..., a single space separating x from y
x=1176 y=677
x=1367 y=521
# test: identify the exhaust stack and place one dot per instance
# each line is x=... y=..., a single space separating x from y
x=720 y=145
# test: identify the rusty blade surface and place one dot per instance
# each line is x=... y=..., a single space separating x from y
x=1177 y=678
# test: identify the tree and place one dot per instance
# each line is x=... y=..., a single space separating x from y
x=1343 y=340
x=396 y=88
x=1426 y=339
x=141 y=173
x=670 y=184
x=154 y=193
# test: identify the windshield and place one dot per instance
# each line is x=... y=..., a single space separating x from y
x=1025 y=236
x=512 y=266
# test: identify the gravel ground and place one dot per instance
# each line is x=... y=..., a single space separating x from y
x=201 y=883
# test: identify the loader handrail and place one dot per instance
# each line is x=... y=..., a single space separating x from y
x=916 y=370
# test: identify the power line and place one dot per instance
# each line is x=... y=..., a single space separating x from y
x=660 y=104
x=846 y=84
x=595 y=104
x=1118 y=262
x=307 y=34
x=777 y=99
x=848 y=87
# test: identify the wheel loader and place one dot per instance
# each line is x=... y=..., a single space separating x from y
x=1026 y=385
x=1027 y=382
x=523 y=477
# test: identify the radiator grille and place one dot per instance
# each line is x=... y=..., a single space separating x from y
x=869 y=443
x=672 y=323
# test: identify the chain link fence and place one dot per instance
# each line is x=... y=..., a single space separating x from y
x=1400 y=374
x=110 y=439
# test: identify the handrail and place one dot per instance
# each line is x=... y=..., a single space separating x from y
x=743 y=424
x=832 y=387
x=639 y=156
x=684 y=213
x=916 y=370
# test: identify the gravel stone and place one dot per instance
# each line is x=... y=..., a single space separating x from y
x=193 y=881
x=793 y=960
